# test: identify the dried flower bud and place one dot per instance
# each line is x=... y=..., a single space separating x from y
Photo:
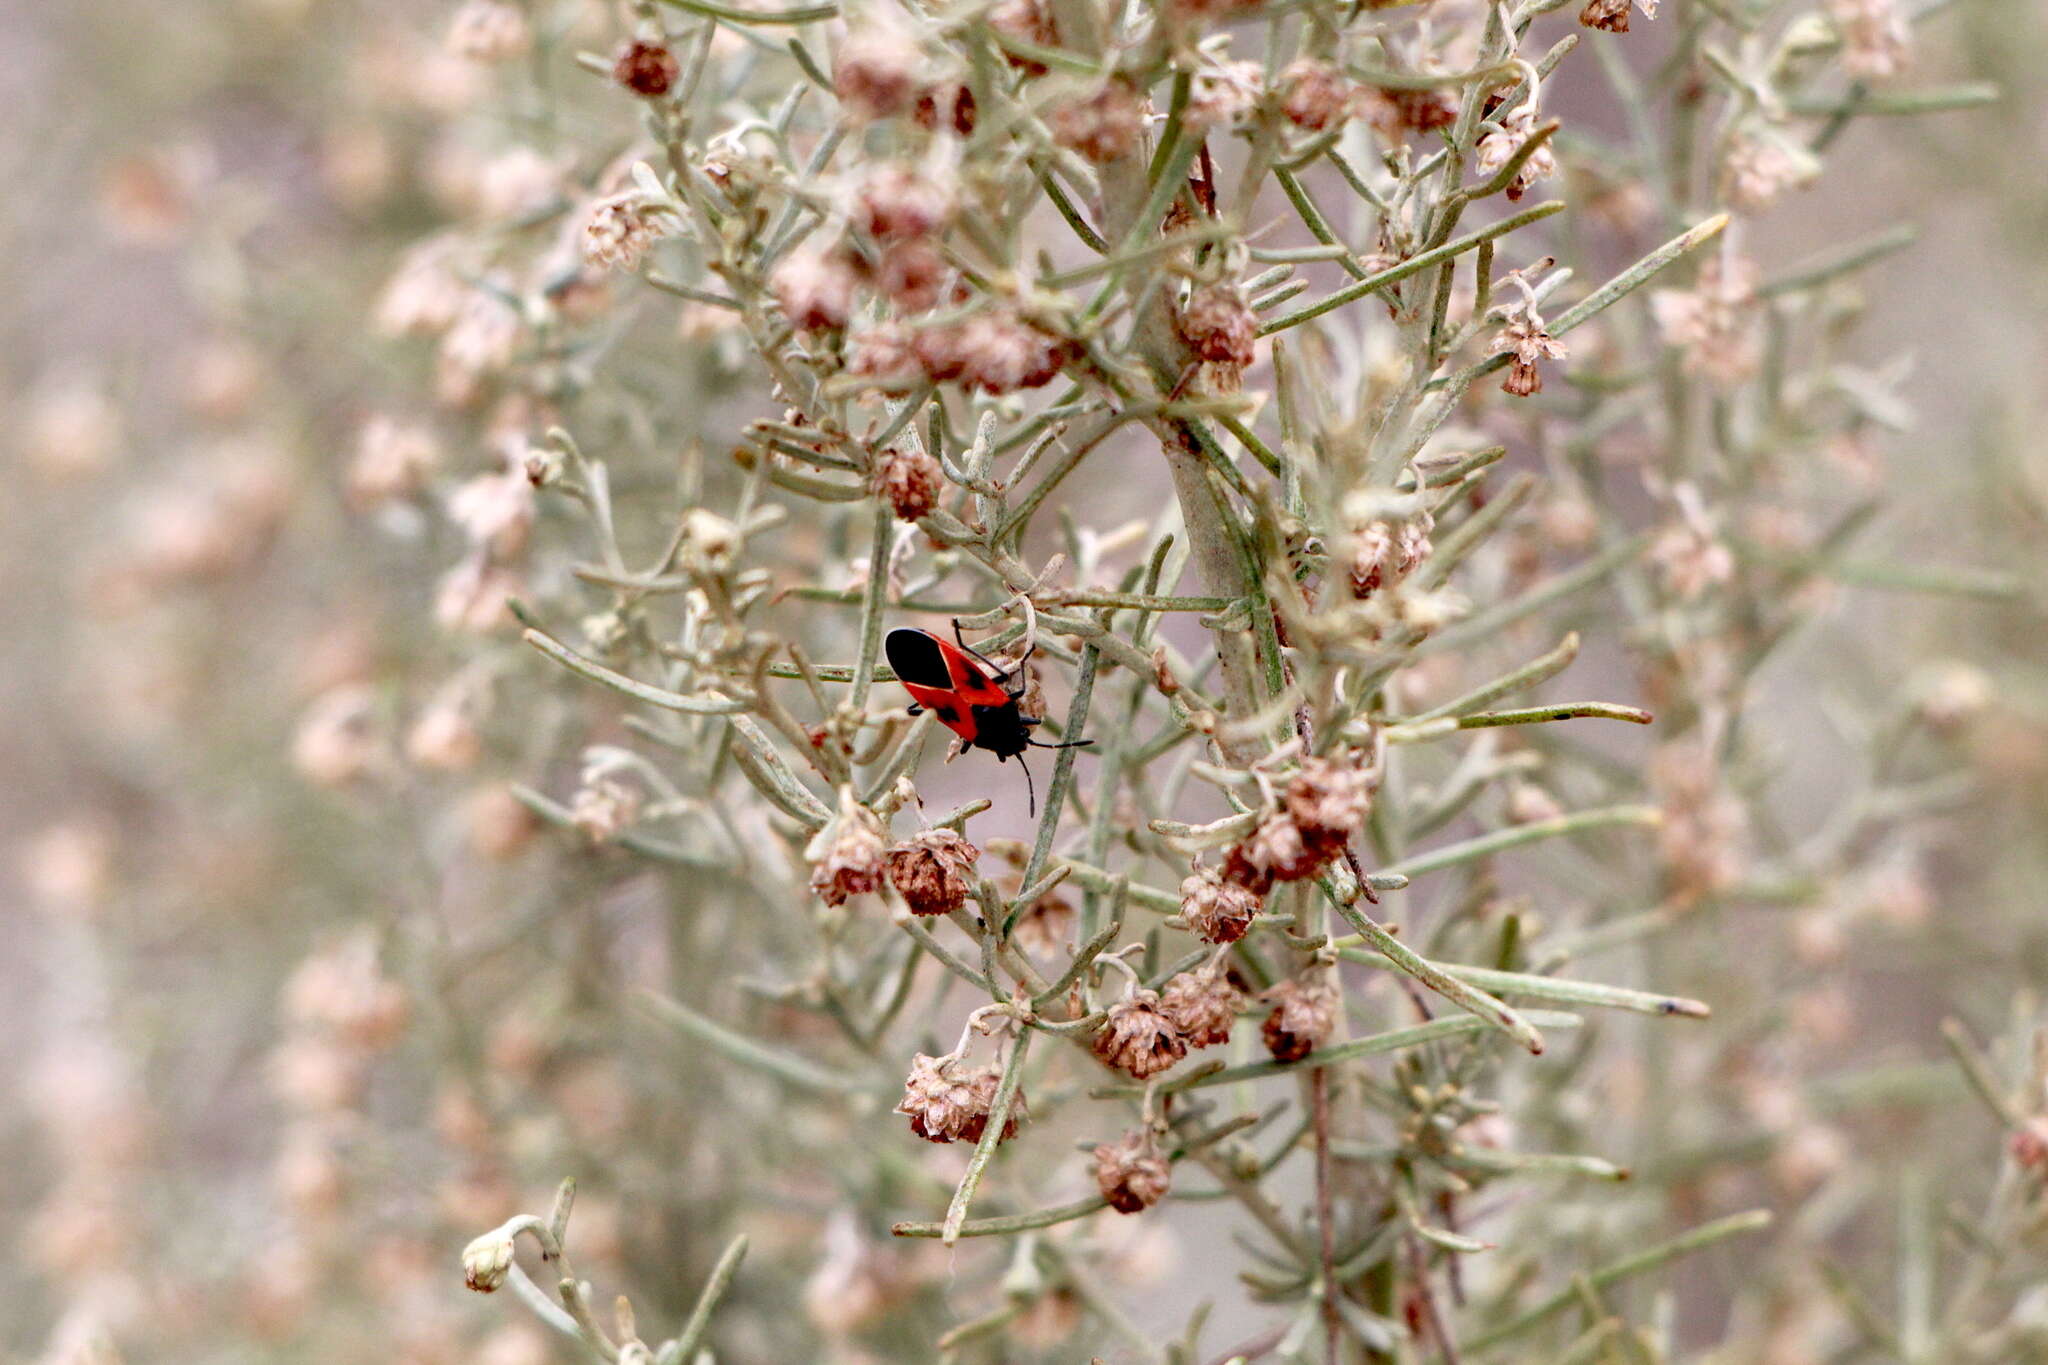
x=1950 y=694
x=1137 y=1038
x=911 y=275
x=1385 y=551
x=1202 y=1004
x=1304 y=1015
x=846 y=855
x=489 y=31
x=2028 y=1144
x=909 y=481
x=1760 y=167
x=1217 y=911
x=1609 y=16
x=885 y=353
x=875 y=73
x=646 y=68
x=994 y=352
x=1219 y=326
x=1131 y=1173
x=1499 y=147
x=948 y=1101
x=445 y=737
x=1877 y=43
x=930 y=871
x=815 y=290
x=1396 y=113
x=1314 y=94
x=487 y=1260
x=984 y=1082
x=1027 y=21
x=621 y=229
x=392 y=460
x=894 y=201
x=1103 y=127
x=1328 y=799
x=604 y=808
x=1714 y=322
x=950 y=104
x=1223 y=93
x=1525 y=339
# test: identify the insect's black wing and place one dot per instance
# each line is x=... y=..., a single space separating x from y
x=916 y=657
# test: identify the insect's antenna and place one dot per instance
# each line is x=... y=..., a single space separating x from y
x=1030 y=787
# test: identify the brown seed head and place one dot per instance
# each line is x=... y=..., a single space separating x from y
x=910 y=482
x=646 y=68
x=1131 y=1173
x=1610 y=16
x=1217 y=911
x=846 y=856
x=1304 y=1014
x=1202 y=1004
x=939 y=1096
x=1219 y=326
x=931 y=869
x=1137 y=1038
x=875 y=73
x=1314 y=94
x=1103 y=127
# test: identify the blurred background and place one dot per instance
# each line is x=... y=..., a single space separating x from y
x=245 y=754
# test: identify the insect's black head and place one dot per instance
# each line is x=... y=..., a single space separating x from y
x=1002 y=730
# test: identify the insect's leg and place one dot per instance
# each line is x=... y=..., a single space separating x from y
x=1002 y=674
x=1030 y=787
x=916 y=710
x=1069 y=744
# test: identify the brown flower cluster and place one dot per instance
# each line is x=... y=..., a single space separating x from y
x=930 y=871
x=1320 y=812
x=950 y=1101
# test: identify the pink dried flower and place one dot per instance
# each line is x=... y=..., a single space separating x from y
x=1500 y=146
x=471 y=597
x=1131 y=1173
x=911 y=275
x=1877 y=42
x=1314 y=94
x=876 y=72
x=1385 y=551
x=621 y=229
x=846 y=855
x=1715 y=322
x=1103 y=126
x=1224 y=93
x=1219 y=326
x=604 y=808
x=910 y=481
x=489 y=31
x=815 y=290
x=392 y=460
x=495 y=510
x=1524 y=337
x=895 y=201
x=885 y=352
x=1137 y=1038
x=1759 y=168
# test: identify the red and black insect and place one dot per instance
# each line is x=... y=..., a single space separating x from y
x=969 y=695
